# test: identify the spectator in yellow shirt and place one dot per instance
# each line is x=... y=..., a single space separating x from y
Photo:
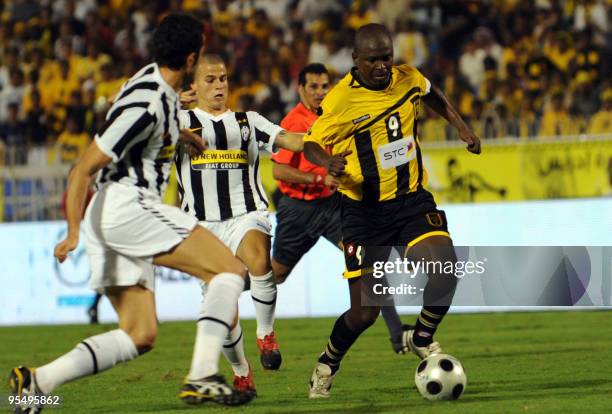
x=529 y=118
x=601 y=122
x=556 y=120
x=57 y=92
x=259 y=26
x=108 y=87
x=560 y=52
x=222 y=19
x=71 y=143
x=78 y=68
x=90 y=65
x=410 y=44
x=360 y=15
x=49 y=69
x=248 y=86
x=31 y=86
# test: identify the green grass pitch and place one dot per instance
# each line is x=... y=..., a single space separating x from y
x=539 y=362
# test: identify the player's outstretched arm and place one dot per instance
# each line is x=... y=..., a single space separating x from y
x=333 y=163
x=289 y=174
x=292 y=141
x=437 y=101
x=79 y=181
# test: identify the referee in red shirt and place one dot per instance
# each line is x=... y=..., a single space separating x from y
x=310 y=206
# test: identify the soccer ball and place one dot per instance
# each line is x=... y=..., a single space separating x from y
x=440 y=377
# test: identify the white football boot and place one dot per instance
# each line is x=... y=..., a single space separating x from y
x=421 y=351
x=321 y=381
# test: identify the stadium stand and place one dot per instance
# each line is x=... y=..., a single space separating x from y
x=515 y=68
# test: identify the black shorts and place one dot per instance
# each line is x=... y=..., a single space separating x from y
x=299 y=224
x=403 y=221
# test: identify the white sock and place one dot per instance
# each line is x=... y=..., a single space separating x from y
x=233 y=346
x=218 y=313
x=233 y=349
x=263 y=292
x=95 y=354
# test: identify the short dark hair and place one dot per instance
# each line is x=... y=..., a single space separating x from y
x=371 y=31
x=316 y=68
x=176 y=37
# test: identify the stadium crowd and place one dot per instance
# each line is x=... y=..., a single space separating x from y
x=515 y=68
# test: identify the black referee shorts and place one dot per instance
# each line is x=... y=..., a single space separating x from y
x=299 y=224
x=403 y=221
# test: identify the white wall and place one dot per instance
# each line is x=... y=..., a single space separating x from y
x=35 y=289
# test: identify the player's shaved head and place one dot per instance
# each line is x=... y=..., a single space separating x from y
x=373 y=55
x=211 y=58
x=372 y=36
x=208 y=59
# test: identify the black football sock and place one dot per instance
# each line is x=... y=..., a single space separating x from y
x=427 y=324
x=340 y=340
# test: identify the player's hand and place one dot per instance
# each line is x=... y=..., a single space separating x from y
x=192 y=142
x=331 y=181
x=64 y=247
x=336 y=163
x=471 y=139
x=187 y=98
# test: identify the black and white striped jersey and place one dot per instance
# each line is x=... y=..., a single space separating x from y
x=140 y=133
x=224 y=181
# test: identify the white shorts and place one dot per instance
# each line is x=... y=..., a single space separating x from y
x=125 y=227
x=232 y=231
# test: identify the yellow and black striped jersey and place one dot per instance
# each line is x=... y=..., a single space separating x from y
x=380 y=128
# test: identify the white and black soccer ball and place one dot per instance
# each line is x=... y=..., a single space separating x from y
x=440 y=377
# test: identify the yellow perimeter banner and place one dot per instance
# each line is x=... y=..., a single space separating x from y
x=508 y=171
x=526 y=170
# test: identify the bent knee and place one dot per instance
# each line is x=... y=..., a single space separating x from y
x=368 y=316
x=361 y=319
x=259 y=266
x=144 y=340
x=372 y=316
x=258 y=261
